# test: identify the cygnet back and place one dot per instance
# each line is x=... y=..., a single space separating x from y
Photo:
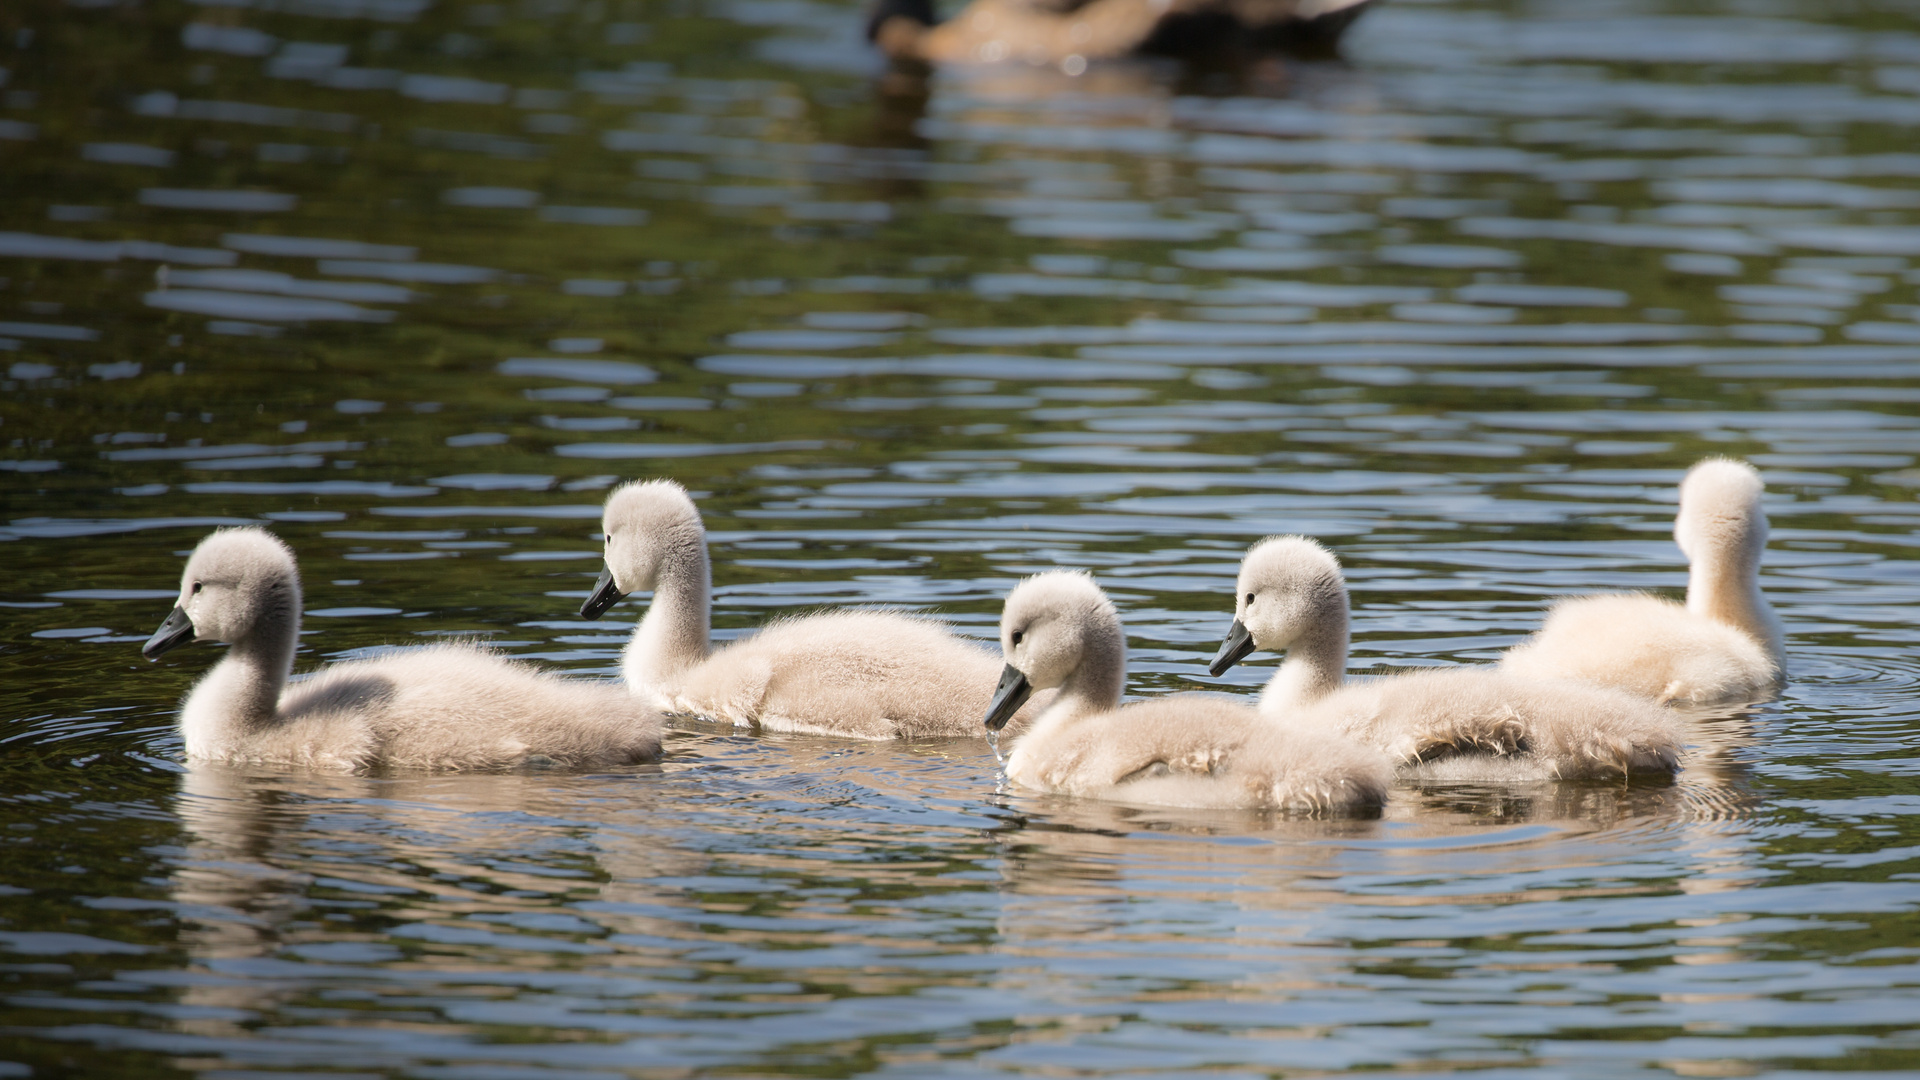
x=1491 y=726
x=1647 y=646
x=863 y=674
x=463 y=707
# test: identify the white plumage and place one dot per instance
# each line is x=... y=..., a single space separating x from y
x=1724 y=644
x=1449 y=723
x=440 y=707
x=1196 y=750
x=863 y=674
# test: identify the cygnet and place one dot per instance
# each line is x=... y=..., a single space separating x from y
x=864 y=674
x=1724 y=644
x=1198 y=750
x=440 y=707
x=1462 y=723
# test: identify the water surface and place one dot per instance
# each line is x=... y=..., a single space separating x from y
x=414 y=283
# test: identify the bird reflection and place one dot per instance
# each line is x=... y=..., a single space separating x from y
x=293 y=878
x=319 y=898
x=1127 y=103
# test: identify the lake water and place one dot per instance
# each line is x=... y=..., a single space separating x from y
x=414 y=283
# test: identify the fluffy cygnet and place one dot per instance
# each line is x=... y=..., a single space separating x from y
x=442 y=707
x=865 y=674
x=1723 y=645
x=1464 y=723
x=1199 y=750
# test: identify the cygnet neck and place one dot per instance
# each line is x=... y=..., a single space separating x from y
x=1316 y=662
x=1723 y=584
x=241 y=695
x=676 y=632
x=1096 y=682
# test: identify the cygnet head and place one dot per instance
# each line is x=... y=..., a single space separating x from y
x=1051 y=625
x=647 y=523
x=1720 y=512
x=236 y=580
x=1289 y=588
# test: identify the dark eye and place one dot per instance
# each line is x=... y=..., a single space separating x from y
x=1249 y=598
x=1017 y=635
x=196 y=588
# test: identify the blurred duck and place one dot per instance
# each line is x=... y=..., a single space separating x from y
x=1070 y=33
x=1196 y=750
x=863 y=674
x=442 y=707
x=1723 y=645
x=1463 y=723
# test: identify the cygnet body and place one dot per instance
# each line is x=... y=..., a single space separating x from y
x=1196 y=750
x=1724 y=644
x=1466 y=723
x=441 y=707
x=863 y=674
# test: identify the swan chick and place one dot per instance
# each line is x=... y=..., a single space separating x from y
x=1724 y=644
x=1484 y=724
x=1060 y=631
x=440 y=707
x=860 y=674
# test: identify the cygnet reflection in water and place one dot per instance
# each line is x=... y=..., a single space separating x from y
x=1068 y=859
x=265 y=851
x=441 y=707
x=1196 y=750
x=1724 y=644
x=863 y=674
x=1452 y=724
x=1070 y=33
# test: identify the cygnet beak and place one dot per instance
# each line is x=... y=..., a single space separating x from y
x=175 y=632
x=1013 y=692
x=1233 y=650
x=605 y=594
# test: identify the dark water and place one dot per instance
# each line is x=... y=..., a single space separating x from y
x=415 y=282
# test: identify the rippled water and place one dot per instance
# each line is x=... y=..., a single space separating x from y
x=415 y=282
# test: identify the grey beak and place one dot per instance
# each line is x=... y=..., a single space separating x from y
x=1013 y=692
x=1233 y=650
x=175 y=632
x=605 y=594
